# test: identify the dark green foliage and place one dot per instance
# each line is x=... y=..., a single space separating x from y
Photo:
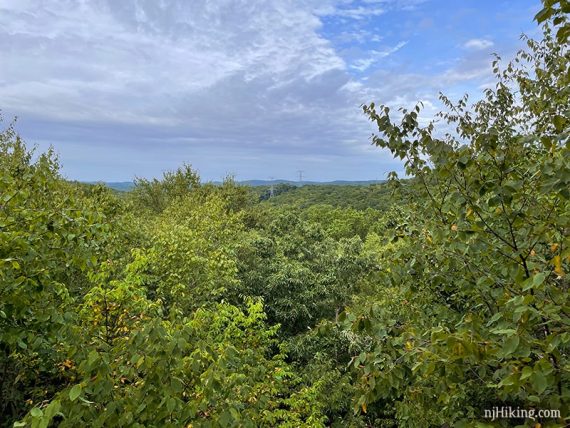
x=302 y=273
x=377 y=196
x=278 y=189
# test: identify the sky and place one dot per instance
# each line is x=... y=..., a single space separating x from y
x=249 y=88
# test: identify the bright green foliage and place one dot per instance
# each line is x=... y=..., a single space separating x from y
x=48 y=240
x=483 y=272
x=191 y=259
x=213 y=370
x=114 y=308
x=155 y=195
x=306 y=276
x=94 y=334
x=236 y=197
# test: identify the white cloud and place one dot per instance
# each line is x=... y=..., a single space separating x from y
x=358 y=13
x=478 y=44
x=153 y=83
x=222 y=76
x=101 y=60
x=365 y=63
x=357 y=36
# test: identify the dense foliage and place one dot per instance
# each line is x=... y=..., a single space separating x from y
x=376 y=196
x=414 y=303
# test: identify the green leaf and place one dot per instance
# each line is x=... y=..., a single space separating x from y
x=504 y=331
x=544 y=14
x=494 y=318
x=52 y=409
x=75 y=392
x=36 y=412
x=140 y=361
x=171 y=404
x=538 y=381
x=235 y=414
x=92 y=357
x=86 y=401
x=559 y=122
x=226 y=419
x=535 y=281
x=510 y=345
x=526 y=373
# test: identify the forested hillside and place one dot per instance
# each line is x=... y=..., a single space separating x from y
x=413 y=303
x=377 y=196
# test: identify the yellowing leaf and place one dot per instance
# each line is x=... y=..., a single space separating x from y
x=557 y=262
x=68 y=364
x=140 y=361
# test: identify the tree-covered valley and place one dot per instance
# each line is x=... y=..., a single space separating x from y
x=419 y=302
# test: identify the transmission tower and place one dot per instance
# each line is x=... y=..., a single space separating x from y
x=300 y=171
x=271 y=188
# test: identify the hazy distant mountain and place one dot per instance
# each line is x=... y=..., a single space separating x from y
x=121 y=186
x=125 y=186
x=304 y=183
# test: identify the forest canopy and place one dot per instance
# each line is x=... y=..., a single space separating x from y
x=419 y=302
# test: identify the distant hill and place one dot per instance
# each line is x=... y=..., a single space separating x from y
x=304 y=183
x=125 y=186
x=121 y=186
x=357 y=195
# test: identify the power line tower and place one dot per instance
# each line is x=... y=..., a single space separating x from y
x=271 y=190
x=300 y=171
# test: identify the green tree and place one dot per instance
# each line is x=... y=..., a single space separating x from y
x=213 y=369
x=302 y=273
x=155 y=195
x=488 y=252
x=191 y=256
x=49 y=241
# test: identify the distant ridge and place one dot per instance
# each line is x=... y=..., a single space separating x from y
x=121 y=186
x=305 y=183
x=125 y=186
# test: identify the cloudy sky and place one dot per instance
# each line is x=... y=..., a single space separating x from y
x=253 y=88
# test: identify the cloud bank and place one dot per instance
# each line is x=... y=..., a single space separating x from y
x=232 y=86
